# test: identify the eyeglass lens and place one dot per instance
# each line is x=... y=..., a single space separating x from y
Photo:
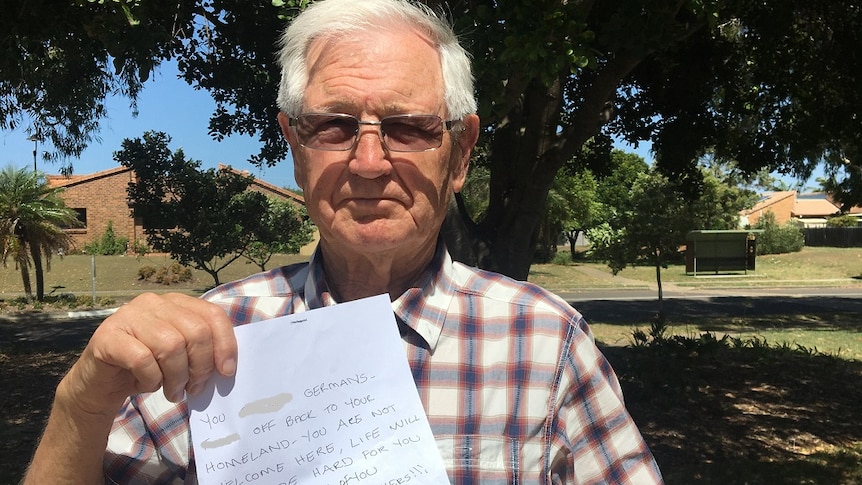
x=401 y=133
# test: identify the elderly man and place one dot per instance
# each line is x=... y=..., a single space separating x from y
x=377 y=104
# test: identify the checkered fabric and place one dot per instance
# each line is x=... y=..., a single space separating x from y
x=515 y=390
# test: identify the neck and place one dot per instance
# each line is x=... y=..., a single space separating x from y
x=356 y=276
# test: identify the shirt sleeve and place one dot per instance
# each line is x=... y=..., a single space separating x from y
x=149 y=443
x=603 y=443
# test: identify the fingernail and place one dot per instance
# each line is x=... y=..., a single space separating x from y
x=177 y=395
x=229 y=367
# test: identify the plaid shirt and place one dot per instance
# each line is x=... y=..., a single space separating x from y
x=515 y=390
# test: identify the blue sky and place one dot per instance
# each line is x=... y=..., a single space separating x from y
x=166 y=104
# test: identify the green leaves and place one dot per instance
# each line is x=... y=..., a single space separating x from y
x=32 y=218
x=208 y=218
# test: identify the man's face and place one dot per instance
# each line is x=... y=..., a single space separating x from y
x=370 y=200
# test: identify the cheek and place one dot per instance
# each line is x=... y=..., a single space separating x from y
x=300 y=173
x=322 y=185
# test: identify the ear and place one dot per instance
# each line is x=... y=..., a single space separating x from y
x=466 y=141
x=290 y=136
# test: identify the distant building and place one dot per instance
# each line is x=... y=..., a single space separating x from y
x=101 y=198
x=779 y=203
x=807 y=209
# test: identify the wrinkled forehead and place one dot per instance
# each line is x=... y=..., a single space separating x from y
x=386 y=66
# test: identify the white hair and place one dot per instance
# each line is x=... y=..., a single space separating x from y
x=340 y=17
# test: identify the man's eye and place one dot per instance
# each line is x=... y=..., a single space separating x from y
x=405 y=130
x=338 y=124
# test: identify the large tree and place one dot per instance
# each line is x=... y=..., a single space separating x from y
x=767 y=84
x=32 y=218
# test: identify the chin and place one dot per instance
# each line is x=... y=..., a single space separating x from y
x=381 y=235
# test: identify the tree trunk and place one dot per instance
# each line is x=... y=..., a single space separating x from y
x=24 y=265
x=461 y=234
x=36 y=254
x=214 y=274
x=527 y=150
x=572 y=236
x=660 y=292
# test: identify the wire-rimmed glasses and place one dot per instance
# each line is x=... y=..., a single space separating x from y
x=400 y=133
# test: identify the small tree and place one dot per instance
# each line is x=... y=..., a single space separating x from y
x=109 y=244
x=32 y=218
x=647 y=219
x=205 y=219
x=649 y=231
x=572 y=208
x=284 y=229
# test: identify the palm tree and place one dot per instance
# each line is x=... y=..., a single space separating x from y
x=32 y=217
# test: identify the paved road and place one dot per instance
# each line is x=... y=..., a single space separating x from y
x=622 y=306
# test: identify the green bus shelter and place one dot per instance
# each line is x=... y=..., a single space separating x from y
x=714 y=251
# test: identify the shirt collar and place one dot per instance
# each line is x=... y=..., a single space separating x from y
x=317 y=294
x=422 y=308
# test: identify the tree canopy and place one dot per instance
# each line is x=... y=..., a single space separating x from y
x=765 y=84
x=203 y=218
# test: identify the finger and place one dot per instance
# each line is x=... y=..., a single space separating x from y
x=170 y=351
x=130 y=363
x=209 y=344
x=225 y=351
x=113 y=366
x=212 y=322
x=199 y=339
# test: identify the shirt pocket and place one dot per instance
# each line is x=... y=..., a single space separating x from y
x=478 y=459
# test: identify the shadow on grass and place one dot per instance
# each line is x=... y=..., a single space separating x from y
x=717 y=414
x=29 y=379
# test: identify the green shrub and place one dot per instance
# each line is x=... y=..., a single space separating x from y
x=562 y=258
x=180 y=273
x=140 y=248
x=109 y=244
x=146 y=272
x=86 y=301
x=845 y=220
x=777 y=239
x=165 y=275
x=162 y=276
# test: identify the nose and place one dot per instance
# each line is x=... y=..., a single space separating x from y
x=369 y=156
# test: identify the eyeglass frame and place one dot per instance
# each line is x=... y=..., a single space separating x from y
x=447 y=125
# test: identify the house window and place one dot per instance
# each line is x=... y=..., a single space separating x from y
x=157 y=221
x=81 y=214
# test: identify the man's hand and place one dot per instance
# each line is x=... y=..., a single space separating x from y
x=172 y=341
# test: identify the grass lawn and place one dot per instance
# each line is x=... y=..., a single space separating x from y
x=811 y=266
x=777 y=403
x=117 y=276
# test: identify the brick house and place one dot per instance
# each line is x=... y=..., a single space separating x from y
x=779 y=203
x=808 y=210
x=100 y=198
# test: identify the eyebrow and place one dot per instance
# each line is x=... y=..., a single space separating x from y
x=348 y=107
